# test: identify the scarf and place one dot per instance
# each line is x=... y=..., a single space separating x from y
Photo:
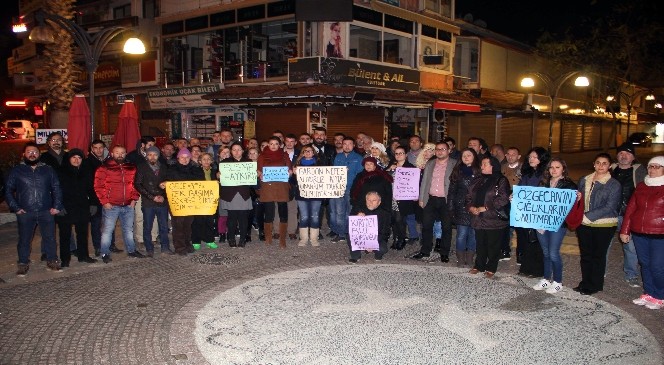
x=307 y=162
x=364 y=176
x=466 y=170
x=654 y=181
x=272 y=156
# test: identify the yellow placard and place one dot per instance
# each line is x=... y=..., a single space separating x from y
x=192 y=197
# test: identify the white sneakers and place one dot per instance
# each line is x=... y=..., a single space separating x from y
x=551 y=287
x=649 y=302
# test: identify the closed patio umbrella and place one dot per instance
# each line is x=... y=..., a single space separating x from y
x=127 y=134
x=78 y=126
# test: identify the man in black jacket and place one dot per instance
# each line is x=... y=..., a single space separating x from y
x=33 y=193
x=384 y=218
x=153 y=198
x=56 y=150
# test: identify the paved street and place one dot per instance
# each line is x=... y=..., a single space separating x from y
x=146 y=311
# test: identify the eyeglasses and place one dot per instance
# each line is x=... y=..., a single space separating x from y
x=37 y=152
x=441 y=149
x=655 y=167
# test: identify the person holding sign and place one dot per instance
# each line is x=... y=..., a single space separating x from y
x=309 y=224
x=372 y=205
x=601 y=194
x=272 y=192
x=237 y=201
x=204 y=227
x=486 y=196
x=184 y=170
x=400 y=208
x=223 y=153
x=555 y=176
x=644 y=224
x=463 y=175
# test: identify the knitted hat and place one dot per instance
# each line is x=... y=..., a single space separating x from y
x=657 y=160
x=378 y=145
x=626 y=147
x=76 y=152
x=153 y=149
x=369 y=159
x=184 y=152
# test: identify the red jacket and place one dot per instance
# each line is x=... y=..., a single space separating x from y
x=645 y=211
x=114 y=183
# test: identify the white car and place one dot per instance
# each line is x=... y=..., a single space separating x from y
x=23 y=128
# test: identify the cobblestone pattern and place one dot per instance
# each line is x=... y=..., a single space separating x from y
x=142 y=311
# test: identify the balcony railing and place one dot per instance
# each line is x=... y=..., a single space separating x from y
x=239 y=72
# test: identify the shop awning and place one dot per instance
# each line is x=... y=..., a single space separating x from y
x=461 y=107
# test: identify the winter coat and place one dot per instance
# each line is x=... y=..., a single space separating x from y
x=456 y=198
x=645 y=211
x=496 y=198
x=147 y=184
x=33 y=190
x=114 y=183
x=601 y=200
x=375 y=183
x=78 y=193
x=274 y=191
x=427 y=177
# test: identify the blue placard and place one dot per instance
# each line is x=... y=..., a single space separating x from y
x=275 y=174
x=540 y=208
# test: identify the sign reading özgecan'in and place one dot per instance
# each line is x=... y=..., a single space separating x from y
x=540 y=208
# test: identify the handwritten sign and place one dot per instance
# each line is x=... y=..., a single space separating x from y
x=192 y=197
x=540 y=208
x=406 y=183
x=363 y=232
x=322 y=181
x=237 y=173
x=275 y=174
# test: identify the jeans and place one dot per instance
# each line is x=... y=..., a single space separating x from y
x=95 y=229
x=340 y=211
x=550 y=242
x=149 y=213
x=27 y=222
x=465 y=239
x=412 y=226
x=630 y=261
x=110 y=217
x=437 y=229
x=650 y=251
x=309 y=213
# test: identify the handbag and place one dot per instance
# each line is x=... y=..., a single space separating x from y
x=504 y=212
x=575 y=215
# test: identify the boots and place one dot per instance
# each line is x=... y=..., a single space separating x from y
x=304 y=237
x=313 y=236
x=400 y=244
x=267 y=230
x=461 y=258
x=470 y=258
x=283 y=227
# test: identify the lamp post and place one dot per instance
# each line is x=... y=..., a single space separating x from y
x=553 y=85
x=91 y=45
x=629 y=100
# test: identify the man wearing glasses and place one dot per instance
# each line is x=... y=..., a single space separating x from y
x=433 y=199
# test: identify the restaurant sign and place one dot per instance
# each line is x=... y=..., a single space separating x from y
x=327 y=70
x=181 y=97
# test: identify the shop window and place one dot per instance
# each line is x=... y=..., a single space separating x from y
x=466 y=58
x=435 y=54
x=365 y=43
x=397 y=49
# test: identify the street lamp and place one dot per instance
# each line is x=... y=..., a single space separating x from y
x=91 y=46
x=629 y=99
x=552 y=88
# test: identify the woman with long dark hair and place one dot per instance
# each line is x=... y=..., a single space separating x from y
x=555 y=176
x=400 y=208
x=529 y=252
x=237 y=201
x=463 y=175
x=272 y=192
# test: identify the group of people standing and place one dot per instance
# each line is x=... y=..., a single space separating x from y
x=468 y=188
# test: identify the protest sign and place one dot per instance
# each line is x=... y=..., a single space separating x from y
x=275 y=174
x=406 y=183
x=237 y=173
x=363 y=232
x=41 y=135
x=192 y=197
x=322 y=181
x=540 y=208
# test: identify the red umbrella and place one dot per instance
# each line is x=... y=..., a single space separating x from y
x=78 y=126
x=127 y=134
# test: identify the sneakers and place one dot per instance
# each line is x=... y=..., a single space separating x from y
x=554 y=287
x=197 y=246
x=542 y=284
x=642 y=300
x=136 y=254
x=505 y=256
x=633 y=282
x=22 y=270
x=106 y=258
x=654 y=303
x=211 y=245
x=54 y=266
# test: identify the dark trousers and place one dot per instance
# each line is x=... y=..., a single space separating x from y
x=269 y=211
x=182 y=233
x=532 y=258
x=382 y=250
x=81 y=229
x=149 y=214
x=238 y=223
x=203 y=228
x=27 y=222
x=398 y=226
x=436 y=210
x=594 y=242
x=488 y=248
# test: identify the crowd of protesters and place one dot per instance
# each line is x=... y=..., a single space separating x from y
x=466 y=188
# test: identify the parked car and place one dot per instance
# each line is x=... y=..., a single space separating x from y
x=22 y=128
x=640 y=139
